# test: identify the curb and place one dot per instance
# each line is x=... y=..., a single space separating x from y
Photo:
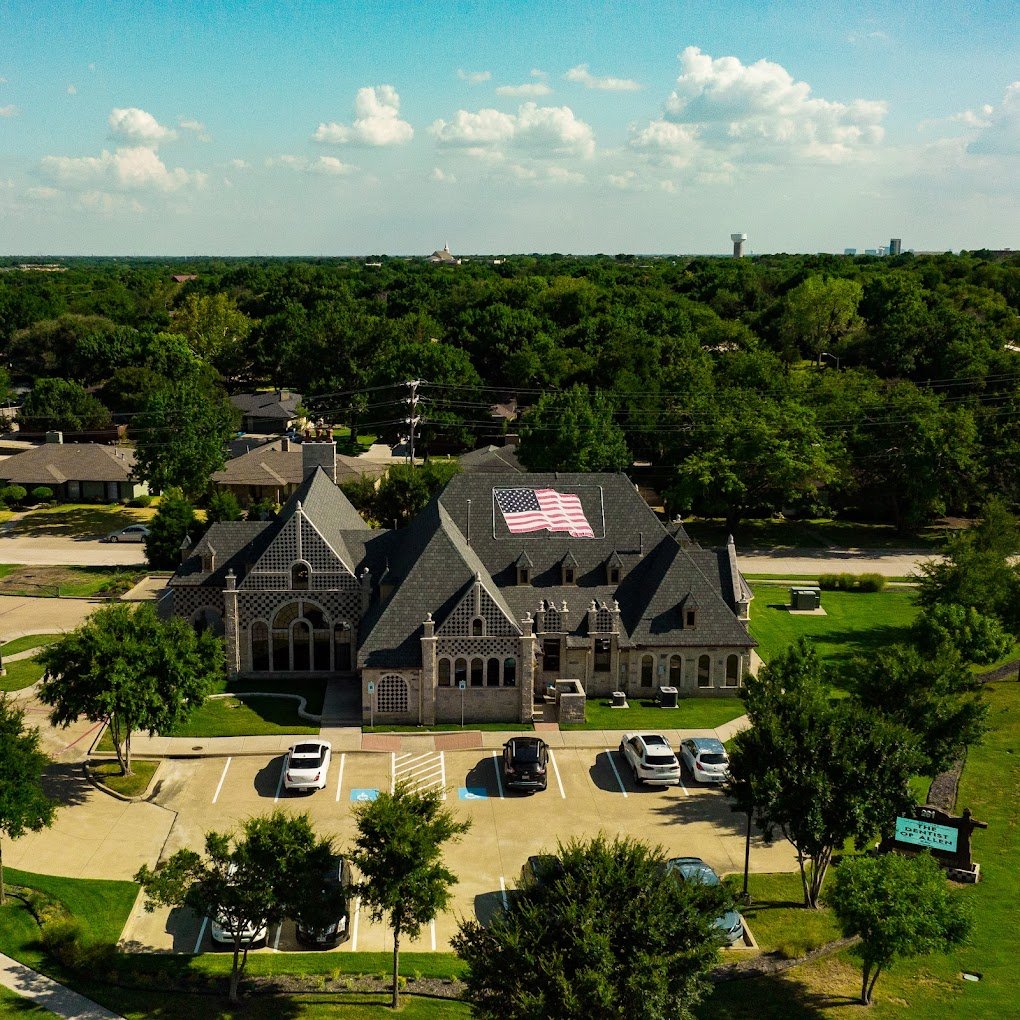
x=120 y=796
x=302 y=702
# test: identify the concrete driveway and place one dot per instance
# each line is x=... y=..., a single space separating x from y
x=21 y=615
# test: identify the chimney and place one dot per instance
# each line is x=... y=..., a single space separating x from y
x=318 y=453
x=511 y=439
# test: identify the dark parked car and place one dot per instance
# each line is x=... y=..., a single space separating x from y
x=541 y=869
x=526 y=763
x=694 y=869
x=330 y=922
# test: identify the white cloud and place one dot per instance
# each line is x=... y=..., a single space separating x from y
x=136 y=127
x=473 y=77
x=72 y=90
x=999 y=127
x=540 y=130
x=376 y=121
x=9 y=111
x=529 y=90
x=189 y=124
x=582 y=76
x=238 y=164
x=536 y=73
x=43 y=194
x=132 y=168
x=3 y=80
x=92 y=66
x=326 y=166
x=440 y=175
x=756 y=113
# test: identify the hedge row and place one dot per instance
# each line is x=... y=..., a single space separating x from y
x=851 y=582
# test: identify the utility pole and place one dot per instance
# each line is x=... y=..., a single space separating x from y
x=412 y=407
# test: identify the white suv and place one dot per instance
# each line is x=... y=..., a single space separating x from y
x=706 y=758
x=651 y=759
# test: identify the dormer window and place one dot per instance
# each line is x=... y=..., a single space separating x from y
x=299 y=577
x=614 y=575
x=690 y=617
x=689 y=611
x=568 y=570
x=477 y=627
x=568 y=575
x=614 y=569
x=523 y=575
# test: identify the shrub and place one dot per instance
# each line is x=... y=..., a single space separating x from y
x=13 y=493
x=42 y=494
x=851 y=582
x=61 y=937
x=978 y=638
x=142 y=501
x=870 y=582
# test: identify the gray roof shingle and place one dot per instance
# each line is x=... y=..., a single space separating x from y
x=57 y=463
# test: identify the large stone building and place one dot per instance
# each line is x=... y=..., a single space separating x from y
x=498 y=588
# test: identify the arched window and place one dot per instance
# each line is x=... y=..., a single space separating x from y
x=477 y=627
x=704 y=671
x=460 y=672
x=287 y=615
x=301 y=634
x=674 y=670
x=444 y=672
x=647 y=670
x=260 y=647
x=492 y=673
x=732 y=671
x=391 y=694
x=477 y=672
x=299 y=576
x=510 y=672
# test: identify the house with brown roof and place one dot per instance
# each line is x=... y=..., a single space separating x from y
x=269 y=412
x=275 y=470
x=76 y=472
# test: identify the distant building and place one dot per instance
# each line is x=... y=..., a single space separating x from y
x=849 y=251
x=444 y=257
x=184 y=277
x=738 y=244
x=870 y=251
x=79 y=472
x=895 y=246
x=268 y=413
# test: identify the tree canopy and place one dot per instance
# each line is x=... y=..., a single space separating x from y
x=127 y=665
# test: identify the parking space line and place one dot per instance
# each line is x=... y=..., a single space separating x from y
x=612 y=764
x=497 y=765
x=502 y=892
x=556 y=769
x=201 y=936
x=223 y=775
x=393 y=772
x=354 y=927
x=409 y=759
x=682 y=787
x=421 y=770
x=340 y=778
x=279 y=932
x=432 y=930
x=279 y=782
x=442 y=777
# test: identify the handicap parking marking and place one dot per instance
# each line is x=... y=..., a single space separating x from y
x=364 y=794
x=497 y=762
x=340 y=777
x=223 y=775
x=419 y=771
x=556 y=769
x=612 y=765
x=473 y=793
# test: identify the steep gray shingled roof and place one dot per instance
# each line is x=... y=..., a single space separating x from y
x=270 y=465
x=280 y=404
x=433 y=568
x=236 y=543
x=490 y=459
x=57 y=463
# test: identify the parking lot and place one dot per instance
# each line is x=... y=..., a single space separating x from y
x=589 y=792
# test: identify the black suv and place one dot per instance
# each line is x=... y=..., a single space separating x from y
x=330 y=922
x=526 y=763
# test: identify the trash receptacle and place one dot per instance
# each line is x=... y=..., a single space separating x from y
x=668 y=697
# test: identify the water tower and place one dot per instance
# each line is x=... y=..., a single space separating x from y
x=738 y=244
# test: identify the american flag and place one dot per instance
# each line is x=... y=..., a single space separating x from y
x=543 y=510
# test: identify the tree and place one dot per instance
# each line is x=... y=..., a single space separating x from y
x=132 y=668
x=407 y=488
x=56 y=404
x=24 y=806
x=245 y=883
x=949 y=627
x=399 y=852
x=174 y=522
x=182 y=435
x=215 y=329
x=821 y=313
x=899 y=906
x=608 y=935
x=223 y=506
x=938 y=699
x=819 y=772
x=575 y=430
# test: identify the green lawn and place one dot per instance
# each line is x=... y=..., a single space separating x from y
x=484 y=727
x=134 y=785
x=820 y=533
x=80 y=520
x=693 y=714
x=20 y=674
x=22 y=644
x=856 y=623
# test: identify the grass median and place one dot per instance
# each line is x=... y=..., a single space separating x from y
x=645 y=714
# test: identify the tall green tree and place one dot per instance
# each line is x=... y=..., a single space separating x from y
x=181 y=436
x=608 y=936
x=245 y=882
x=399 y=852
x=59 y=404
x=407 y=488
x=24 y=805
x=175 y=521
x=819 y=772
x=216 y=331
x=936 y=698
x=128 y=666
x=575 y=430
x=899 y=907
x=821 y=314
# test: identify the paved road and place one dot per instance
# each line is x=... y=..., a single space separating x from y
x=40 y=550
x=809 y=562
x=21 y=615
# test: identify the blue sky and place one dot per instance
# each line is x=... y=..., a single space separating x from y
x=340 y=128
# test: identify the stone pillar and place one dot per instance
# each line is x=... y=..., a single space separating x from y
x=526 y=673
x=427 y=704
x=231 y=637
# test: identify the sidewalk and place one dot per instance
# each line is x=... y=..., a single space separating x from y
x=47 y=994
x=349 y=739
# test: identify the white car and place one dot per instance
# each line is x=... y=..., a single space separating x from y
x=132 y=533
x=307 y=765
x=706 y=758
x=651 y=759
x=223 y=928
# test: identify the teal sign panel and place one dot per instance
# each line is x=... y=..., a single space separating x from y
x=927 y=834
